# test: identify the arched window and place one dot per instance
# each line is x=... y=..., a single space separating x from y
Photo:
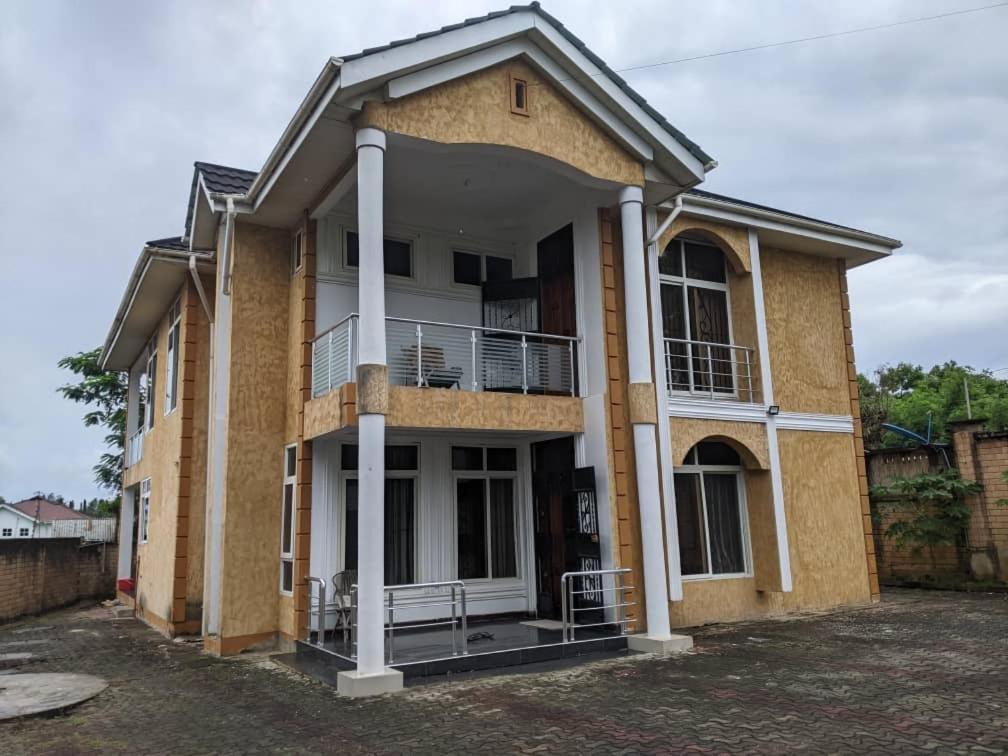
x=711 y=513
x=695 y=318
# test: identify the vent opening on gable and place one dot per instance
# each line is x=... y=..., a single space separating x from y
x=519 y=96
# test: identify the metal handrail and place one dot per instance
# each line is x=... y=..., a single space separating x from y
x=457 y=602
x=546 y=361
x=320 y=630
x=733 y=378
x=620 y=603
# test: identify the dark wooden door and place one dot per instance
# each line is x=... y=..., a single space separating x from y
x=555 y=261
x=552 y=479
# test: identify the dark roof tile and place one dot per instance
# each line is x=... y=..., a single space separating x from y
x=171 y=242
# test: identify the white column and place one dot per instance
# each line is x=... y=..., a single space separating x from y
x=645 y=446
x=766 y=379
x=371 y=427
x=127 y=510
x=675 y=587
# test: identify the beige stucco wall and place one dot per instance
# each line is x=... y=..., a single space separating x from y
x=748 y=439
x=825 y=539
x=255 y=435
x=805 y=329
x=476 y=109
x=156 y=557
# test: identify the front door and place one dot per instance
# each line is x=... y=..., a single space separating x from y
x=555 y=262
x=552 y=480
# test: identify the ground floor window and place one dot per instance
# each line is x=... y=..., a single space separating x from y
x=144 y=509
x=401 y=465
x=485 y=488
x=287 y=520
x=710 y=511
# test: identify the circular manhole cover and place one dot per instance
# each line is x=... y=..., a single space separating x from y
x=28 y=694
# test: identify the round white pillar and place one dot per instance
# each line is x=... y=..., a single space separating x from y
x=371 y=427
x=645 y=443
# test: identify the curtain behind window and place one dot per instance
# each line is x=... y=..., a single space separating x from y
x=690 y=518
x=725 y=523
x=502 y=528
x=399 y=527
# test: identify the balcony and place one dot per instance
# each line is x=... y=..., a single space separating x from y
x=134 y=447
x=427 y=354
x=709 y=370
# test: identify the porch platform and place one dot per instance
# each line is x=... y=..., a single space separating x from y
x=427 y=652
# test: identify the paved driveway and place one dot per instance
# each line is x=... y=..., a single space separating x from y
x=922 y=671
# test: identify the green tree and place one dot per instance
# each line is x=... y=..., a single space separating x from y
x=104 y=393
x=908 y=396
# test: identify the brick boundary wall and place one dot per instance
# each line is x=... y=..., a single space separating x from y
x=39 y=574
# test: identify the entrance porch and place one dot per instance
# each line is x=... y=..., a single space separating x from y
x=494 y=550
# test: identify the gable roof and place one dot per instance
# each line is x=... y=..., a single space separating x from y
x=220 y=179
x=692 y=147
x=43 y=510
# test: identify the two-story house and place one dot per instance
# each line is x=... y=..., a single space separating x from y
x=471 y=350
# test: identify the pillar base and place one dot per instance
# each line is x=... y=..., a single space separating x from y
x=356 y=685
x=667 y=646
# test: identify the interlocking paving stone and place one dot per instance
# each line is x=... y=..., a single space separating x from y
x=921 y=672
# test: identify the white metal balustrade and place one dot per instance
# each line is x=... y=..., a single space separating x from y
x=428 y=354
x=596 y=599
x=711 y=370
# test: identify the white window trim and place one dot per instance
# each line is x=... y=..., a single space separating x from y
x=288 y=556
x=486 y=475
x=482 y=255
x=743 y=520
x=685 y=282
x=145 y=496
x=341 y=513
x=172 y=381
x=149 y=397
x=297 y=251
x=352 y=269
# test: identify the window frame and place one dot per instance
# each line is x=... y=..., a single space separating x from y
x=486 y=476
x=7 y=533
x=746 y=536
x=482 y=255
x=341 y=516
x=172 y=358
x=23 y=532
x=684 y=283
x=150 y=371
x=297 y=252
x=143 y=532
x=410 y=242
x=521 y=109
x=287 y=555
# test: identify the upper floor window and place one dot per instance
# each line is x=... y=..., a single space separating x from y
x=148 y=382
x=144 y=527
x=710 y=512
x=297 y=252
x=473 y=268
x=519 y=96
x=398 y=255
x=172 y=364
x=695 y=311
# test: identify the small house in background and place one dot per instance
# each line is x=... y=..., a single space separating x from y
x=39 y=517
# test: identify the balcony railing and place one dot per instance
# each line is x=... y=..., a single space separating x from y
x=134 y=447
x=710 y=370
x=428 y=354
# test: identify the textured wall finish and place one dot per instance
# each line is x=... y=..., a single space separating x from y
x=372 y=390
x=748 y=439
x=476 y=109
x=641 y=400
x=805 y=328
x=624 y=483
x=331 y=412
x=733 y=241
x=256 y=432
x=445 y=408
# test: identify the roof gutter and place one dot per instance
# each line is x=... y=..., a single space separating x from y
x=789 y=220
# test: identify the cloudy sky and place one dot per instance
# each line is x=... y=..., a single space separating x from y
x=106 y=105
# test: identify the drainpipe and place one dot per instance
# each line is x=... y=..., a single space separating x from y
x=667 y=222
x=228 y=240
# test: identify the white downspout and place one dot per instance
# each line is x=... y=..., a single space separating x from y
x=228 y=239
x=653 y=239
